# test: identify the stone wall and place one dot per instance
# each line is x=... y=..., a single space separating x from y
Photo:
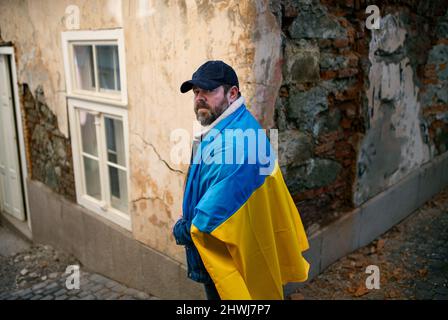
x=49 y=152
x=434 y=93
x=317 y=112
x=358 y=110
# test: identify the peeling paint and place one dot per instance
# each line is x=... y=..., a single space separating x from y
x=393 y=146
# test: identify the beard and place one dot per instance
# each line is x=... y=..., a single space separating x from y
x=206 y=114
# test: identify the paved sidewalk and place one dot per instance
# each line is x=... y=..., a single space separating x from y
x=412 y=258
x=36 y=272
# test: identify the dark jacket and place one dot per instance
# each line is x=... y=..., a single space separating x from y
x=196 y=269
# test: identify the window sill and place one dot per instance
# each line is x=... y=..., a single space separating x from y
x=119 y=218
x=113 y=102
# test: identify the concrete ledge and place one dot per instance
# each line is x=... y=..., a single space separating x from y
x=388 y=208
x=374 y=217
x=104 y=247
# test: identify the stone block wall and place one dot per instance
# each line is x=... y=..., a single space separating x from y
x=356 y=113
x=434 y=95
x=49 y=152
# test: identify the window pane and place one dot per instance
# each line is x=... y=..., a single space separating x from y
x=108 y=67
x=118 y=189
x=92 y=178
x=115 y=141
x=88 y=132
x=85 y=77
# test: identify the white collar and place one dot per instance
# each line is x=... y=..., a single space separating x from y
x=232 y=108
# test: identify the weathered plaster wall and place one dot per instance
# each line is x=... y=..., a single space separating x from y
x=165 y=41
x=160 y=56
x=394 y=143
x=35 y=29
x=405 y=115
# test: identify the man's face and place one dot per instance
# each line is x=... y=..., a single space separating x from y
x=209 y=104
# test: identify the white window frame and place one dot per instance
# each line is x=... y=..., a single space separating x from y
x=103 y=207
x=101 y=37
x=114 y=105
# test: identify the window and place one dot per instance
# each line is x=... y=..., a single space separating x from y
x=94 y=65
x=96 y=92
x=100 y=159
x=96 y=68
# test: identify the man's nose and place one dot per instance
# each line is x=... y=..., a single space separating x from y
x=201 y=95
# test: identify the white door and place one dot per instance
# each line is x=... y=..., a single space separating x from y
x=11 y=195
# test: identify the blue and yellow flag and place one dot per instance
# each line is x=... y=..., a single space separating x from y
x=245 y=224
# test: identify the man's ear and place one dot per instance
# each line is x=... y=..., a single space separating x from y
x=233 y=93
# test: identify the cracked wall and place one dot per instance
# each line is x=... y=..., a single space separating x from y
x=165 y=42
x=242 y=33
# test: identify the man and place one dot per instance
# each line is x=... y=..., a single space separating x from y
x=241 y=229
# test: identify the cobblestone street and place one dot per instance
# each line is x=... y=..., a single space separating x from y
x=37 y=272
x=412 y=258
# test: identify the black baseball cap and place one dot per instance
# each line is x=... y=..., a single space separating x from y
x=211 y=75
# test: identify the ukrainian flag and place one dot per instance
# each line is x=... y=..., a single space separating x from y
x=246 y=226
